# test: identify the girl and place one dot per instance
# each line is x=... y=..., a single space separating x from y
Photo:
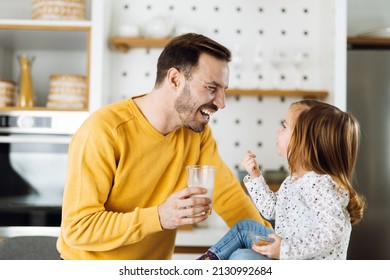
x=317 y=204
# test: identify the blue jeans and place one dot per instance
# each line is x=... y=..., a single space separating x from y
x=235 y=245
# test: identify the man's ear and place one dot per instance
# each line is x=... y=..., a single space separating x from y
x=173 y=77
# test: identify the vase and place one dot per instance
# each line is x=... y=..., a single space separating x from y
x=26 y=92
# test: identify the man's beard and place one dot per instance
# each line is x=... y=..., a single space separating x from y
x=187 y=109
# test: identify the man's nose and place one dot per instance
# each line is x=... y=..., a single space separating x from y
x=219 y=99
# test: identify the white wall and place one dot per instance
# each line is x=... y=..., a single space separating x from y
x=247 y=28
x=256 y=32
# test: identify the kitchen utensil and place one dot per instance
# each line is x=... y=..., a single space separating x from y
x=128 y=30
x=159 y=27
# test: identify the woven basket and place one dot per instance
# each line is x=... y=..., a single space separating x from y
x=7 y=93
x=58 y=9
x=67 y=91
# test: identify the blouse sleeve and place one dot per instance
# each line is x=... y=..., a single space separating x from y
x=262 y=196
x=328 y=224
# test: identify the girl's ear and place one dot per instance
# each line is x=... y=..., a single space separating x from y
x=173 y=77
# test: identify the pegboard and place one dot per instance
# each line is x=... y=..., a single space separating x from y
x=277 y=44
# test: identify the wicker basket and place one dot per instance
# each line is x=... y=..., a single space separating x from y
x=59 y=9
x=67 y=91
x=7 y=93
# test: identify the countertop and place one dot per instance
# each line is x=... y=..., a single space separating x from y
x=189 y=243
x=200 y=237
x=197 y=237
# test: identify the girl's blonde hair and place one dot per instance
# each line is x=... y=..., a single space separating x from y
x=325 y=140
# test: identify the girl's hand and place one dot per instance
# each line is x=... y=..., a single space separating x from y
x=272 y=250
x=250 y=164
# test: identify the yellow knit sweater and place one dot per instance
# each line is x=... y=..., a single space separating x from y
x=119 y=170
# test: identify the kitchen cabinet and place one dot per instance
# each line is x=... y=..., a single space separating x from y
x=32 y=140
x=70 y=47
x=57 y=39
x=66 y=46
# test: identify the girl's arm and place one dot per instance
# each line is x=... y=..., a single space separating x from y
x=262 y=196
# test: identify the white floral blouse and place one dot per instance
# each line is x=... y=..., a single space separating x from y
x=310 y=215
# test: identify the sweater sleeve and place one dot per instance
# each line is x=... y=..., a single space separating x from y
x=87 y=224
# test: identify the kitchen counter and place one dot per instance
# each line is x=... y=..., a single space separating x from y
x=197 y=237
x=200 y=237
x=14 y=231
x=187 y=241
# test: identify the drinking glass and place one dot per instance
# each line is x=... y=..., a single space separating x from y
x=202 y=176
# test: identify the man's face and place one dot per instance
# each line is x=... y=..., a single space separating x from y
x=204 y=93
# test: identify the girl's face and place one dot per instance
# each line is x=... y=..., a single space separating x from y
x=284 y=133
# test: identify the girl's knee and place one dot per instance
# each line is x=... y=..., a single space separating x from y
x=246 y=223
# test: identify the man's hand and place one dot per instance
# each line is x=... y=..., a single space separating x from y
x=183 y=208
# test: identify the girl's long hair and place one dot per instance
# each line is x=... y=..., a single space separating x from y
x=326 y=140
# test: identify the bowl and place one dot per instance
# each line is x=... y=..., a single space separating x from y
x=128 y=30
x=158 y=27
x=259 y=240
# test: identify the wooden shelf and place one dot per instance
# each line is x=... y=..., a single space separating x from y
x=125 y=43
x=41 y=108
x=277 y=92
x=368 y=43
x=32 y=24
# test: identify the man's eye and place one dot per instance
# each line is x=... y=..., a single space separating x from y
x=210 y=88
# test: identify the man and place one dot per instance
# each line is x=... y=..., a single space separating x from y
x=126 y=193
